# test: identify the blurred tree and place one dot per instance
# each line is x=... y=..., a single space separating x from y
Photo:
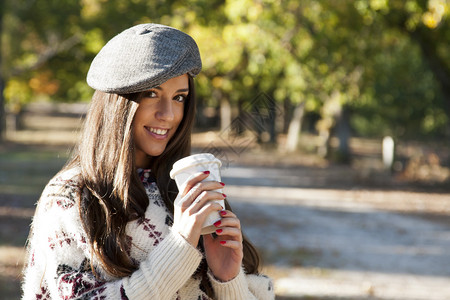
x=2 y=80
x=425 y=23
x=2 y=98
x=323 y=61
x=350 y=62
x=406 y=82
x=36 y=35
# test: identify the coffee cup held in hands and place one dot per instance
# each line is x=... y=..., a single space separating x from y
x=184 y=168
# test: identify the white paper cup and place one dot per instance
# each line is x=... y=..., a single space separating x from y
x=183 y=170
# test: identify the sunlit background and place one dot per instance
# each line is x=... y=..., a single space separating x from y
x=332 y=119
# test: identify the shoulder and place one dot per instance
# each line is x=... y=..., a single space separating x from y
x=63 y=190
x=56 y=223
x=66 y=178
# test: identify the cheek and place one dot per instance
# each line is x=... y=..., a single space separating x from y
x=135 y=126
x=178 y=114
x=138 y=116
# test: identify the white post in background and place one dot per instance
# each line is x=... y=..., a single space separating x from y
x=295 y=127
x=388 y=152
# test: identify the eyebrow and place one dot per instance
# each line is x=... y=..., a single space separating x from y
x=178 y=91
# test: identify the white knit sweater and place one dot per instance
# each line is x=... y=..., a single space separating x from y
x=59 y=255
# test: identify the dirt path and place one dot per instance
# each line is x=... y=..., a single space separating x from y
x=344 y=244
x=325 y=232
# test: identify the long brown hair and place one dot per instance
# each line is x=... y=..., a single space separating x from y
x=105 y=155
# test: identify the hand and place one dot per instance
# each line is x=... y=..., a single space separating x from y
x=194 y=204
x=224 y=253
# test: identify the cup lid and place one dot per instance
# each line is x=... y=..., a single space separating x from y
x=193 y=160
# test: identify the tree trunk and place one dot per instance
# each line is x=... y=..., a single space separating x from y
x=225 y=112
x=272 y=122
x=331 y=109
x=201 y=121
x=343 y=132
x=287 y=114
x=324 y=139
x=295 y=127
x=239 y=126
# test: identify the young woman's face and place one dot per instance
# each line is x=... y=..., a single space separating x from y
x=157 y=117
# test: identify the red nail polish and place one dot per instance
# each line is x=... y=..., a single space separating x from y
x=223 y=184
x=219 y=230
x=205 y=172
x=223 y=213
x=223 y=242
x=224 y=195
x=217 y=223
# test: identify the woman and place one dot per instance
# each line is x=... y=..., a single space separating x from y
x=105 y=226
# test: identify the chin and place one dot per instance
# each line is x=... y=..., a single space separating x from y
x=155 y=152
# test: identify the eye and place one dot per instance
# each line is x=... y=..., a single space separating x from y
x=149 y=94
x=180 y=98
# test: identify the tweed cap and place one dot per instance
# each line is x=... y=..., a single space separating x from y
x=143 y=57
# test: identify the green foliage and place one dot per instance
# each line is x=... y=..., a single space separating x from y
x=369 y=55
x=407 y=80
x=396 y=104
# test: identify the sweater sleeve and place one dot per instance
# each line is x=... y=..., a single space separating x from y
x=248 y=287
x=59 y=257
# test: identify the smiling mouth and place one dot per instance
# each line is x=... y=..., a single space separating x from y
x=157 y=131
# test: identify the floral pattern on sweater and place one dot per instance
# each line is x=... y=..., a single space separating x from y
x=60 y=259
x=78 y=283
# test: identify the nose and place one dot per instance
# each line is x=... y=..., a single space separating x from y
x=165 y=110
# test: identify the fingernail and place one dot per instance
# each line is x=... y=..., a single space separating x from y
x=224 y=195
x=223 y=242
x=223 y=213
x=217 y=223
x=223 y=184
x=205 y=172
x=219 y=231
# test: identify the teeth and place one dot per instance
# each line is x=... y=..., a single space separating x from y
x=158 y=131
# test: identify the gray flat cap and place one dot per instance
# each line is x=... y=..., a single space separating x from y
x=143 y=57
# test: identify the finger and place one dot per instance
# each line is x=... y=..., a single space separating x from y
x=205 y=197
x=193 y=180
x=236 y=245
x=230 y=233
x=208 y=238
x=228 y=222
x=206 y=210
x=198 y=189
x=204 y=186
x=227 y=214
x=210 y=207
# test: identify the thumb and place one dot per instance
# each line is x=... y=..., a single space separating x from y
x=208 y=239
